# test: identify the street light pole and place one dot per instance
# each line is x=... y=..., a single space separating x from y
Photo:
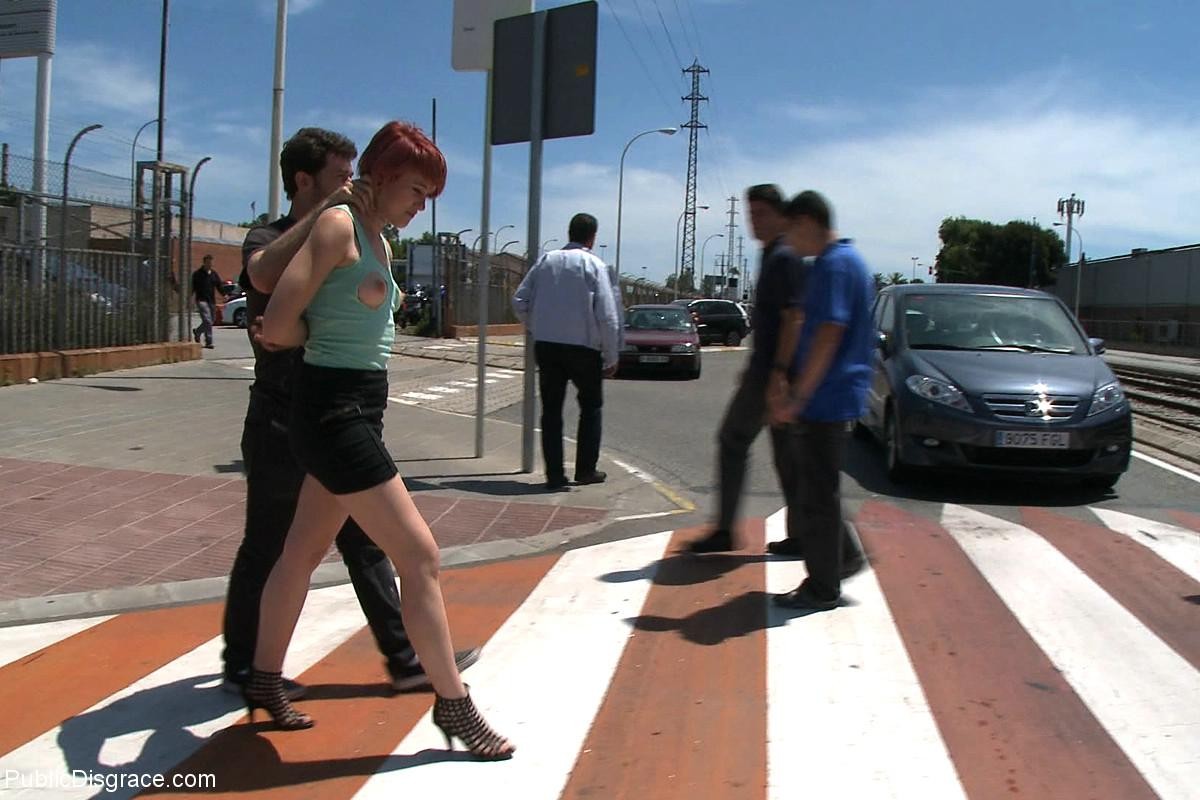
x=185 y=261
x=506 y=246
x=679 y=222
x=548 y=241
x=496 y=235
x=133 y=184
x=621 y=186
x=705 y=244
x=1079 y=267
x=60 y=324
x=914 y=267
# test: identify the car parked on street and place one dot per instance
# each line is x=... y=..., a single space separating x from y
x=233 y=312
x=660 y=339
x=718 y=321
x=993 y=379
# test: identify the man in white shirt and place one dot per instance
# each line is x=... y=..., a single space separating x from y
x=567 y=304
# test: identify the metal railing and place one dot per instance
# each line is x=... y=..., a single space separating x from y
x=101 y=299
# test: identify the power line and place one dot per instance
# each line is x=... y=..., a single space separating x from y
x=638 y=56
x=666 y=61
x=683 y=25
x=667 y=31
x=696 y=28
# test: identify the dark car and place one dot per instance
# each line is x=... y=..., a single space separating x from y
x=721 y=321
x=996 y=379
x=660 y=338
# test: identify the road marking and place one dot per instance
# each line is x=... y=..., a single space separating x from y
x=442 y=389
x=421 y=396
x=1142 y=692
x=850 y=673
x=666 y=491
x=18 y=642
x=1179 y=547
x=1169 y=467
x=652 y=515
x=402 y=401
x=546 y=709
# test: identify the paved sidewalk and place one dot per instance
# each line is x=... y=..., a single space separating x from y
x=131 y=480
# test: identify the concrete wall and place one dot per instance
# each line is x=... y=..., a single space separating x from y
x=1158 y=284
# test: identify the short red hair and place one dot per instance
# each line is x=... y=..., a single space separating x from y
x=402 y=145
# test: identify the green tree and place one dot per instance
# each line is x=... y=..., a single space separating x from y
x=977 y=251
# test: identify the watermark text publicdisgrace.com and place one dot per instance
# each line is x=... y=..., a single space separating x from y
x=108 y=781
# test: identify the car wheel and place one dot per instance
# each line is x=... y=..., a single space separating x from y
x=239 y=318
x=733 y=339
x=1103 y=482
x=897 y=470
x=695 y=374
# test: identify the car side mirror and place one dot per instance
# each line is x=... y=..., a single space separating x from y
x=1097 y=346
x=884 y=342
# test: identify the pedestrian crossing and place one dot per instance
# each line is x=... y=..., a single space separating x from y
x=453 y=395
x=985 y=653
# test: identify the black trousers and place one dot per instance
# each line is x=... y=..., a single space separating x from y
x=559 y=364
x=744 y=419
x=273 y=480
x=819 y=451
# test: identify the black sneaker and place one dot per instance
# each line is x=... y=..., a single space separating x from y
x=408 y=679
x=557 y=483
x=235 y=681
x=793 y=548
x=803 y=598
x=595 y=476
x=719 y=541
x=196 y=336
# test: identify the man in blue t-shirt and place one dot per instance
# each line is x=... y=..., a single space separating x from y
x=832 y=373
x=779 y=298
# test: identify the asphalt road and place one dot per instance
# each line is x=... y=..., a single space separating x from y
x=668 y=427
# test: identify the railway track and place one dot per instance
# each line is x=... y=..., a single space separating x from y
x=1162 y=396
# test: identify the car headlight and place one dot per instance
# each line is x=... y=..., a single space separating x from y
x=938 y=391
x=686 y=347
x=1106 y=397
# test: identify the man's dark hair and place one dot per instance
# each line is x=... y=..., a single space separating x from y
x=308 y=151
x=812 y=205
x=583 y=228
x=767 y=193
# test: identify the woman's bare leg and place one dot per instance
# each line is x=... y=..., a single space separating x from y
x=389 y=516
x=318 y=518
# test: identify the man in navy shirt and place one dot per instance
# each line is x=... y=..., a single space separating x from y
x=832 y=372
x=779 y=299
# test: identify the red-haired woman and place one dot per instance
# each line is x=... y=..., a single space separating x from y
x=337 y=298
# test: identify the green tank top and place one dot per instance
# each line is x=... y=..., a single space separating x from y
x=343 y=331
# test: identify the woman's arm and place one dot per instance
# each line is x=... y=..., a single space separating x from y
x=330 y=245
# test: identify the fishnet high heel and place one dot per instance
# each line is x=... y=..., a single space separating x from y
x=265 y=690
x=459 y=718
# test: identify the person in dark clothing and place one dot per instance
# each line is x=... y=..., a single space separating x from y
x=831 y=374
x=316 y=167
x=779 y=299
x=205 y=283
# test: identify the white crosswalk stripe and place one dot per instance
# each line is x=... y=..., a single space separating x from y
x=1177 y=546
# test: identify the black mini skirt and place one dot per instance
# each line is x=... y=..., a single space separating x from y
x=336 y=427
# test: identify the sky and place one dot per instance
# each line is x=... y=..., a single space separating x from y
x=902 y=114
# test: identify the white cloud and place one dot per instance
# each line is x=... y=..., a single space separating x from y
x=104 y=78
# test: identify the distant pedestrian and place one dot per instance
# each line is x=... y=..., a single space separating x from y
x=567 y=303
x=316 y=167
x=205 y=284
x=832 y=375
x=778 y=314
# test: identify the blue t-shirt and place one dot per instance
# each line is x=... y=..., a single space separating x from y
x=780 y=287
x=840 y=290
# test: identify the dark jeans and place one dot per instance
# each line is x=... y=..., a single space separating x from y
x=273 y=480
x=818 y=451
x=584 y=367
x=744 y=420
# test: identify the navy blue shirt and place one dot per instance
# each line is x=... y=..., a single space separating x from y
x=840 y=290
x=780 y=287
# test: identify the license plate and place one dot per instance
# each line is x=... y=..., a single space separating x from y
x=1033 y=439
x=653 y=359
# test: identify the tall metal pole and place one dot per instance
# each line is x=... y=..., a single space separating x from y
x=1070 y=207
x=133 y=185
x=438 y=322
x=162 y=79
x=687 y=250
x=185 y=261
x=41 y=149
x=729 y=262
x=621 y=187
x=534 y=233
x=277 y=109
x=700 y=285
x=60 y=323
x=496 y=235
x=483 y=280
x=678 y=258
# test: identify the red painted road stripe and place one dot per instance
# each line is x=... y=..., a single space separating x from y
x=41 y=690
x=1013 y=725
x=1135 y=576
x=359 y=722
x=1187 y=519
x=685 y=715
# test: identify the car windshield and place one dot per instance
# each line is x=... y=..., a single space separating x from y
x=658 y=319
x=989 y=322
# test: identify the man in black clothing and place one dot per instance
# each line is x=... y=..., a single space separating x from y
x=316 y=167
x=205 y=283
x=778 y=314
